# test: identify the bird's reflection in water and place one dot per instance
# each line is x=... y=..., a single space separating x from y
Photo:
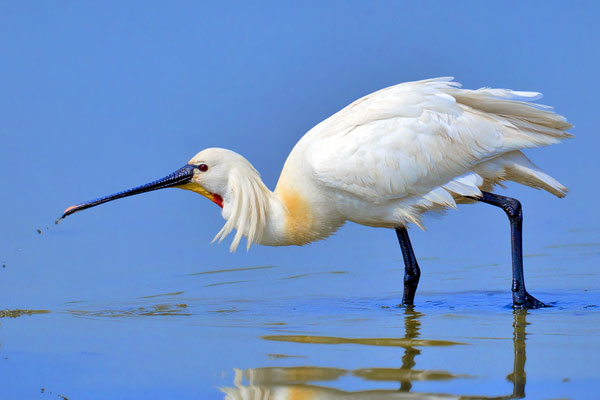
x=294 y=382
x=517 y=377
x=412 y=326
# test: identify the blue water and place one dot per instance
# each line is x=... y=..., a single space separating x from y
x=129 y=300
x=169 y=332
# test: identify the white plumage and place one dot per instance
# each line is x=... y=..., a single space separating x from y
x=394 y=154
x=384 y=160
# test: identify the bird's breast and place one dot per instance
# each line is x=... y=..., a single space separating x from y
x=299 y=219
x=303 y=222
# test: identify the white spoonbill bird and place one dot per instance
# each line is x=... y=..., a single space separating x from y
x=384 y=161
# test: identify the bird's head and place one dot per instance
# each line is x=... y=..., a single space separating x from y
x=224 y=177
x=211 y=170
x=207 y=173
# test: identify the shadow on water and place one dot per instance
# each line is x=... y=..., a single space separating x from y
x=297 y=382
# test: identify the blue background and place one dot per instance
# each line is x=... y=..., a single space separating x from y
x=96 y=97
x=101 y=96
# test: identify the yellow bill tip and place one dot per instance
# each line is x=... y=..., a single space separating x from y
x=66 y=212
x=70 y=208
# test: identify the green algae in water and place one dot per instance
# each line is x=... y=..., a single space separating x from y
x=391 y=342
x=17 y=313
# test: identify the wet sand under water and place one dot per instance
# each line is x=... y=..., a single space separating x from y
x=269 y=332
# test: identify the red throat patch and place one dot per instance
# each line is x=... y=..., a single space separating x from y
x=218 y=200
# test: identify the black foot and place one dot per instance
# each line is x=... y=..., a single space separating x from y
x=407 y=304
x=526 y=302
x=408 y=297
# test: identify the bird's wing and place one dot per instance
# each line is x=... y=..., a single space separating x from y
x=416 y=137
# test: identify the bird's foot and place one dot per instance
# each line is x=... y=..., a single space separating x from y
x=409 y=306
x=526 y=302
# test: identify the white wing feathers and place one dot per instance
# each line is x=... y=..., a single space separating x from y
x=465 y=185
x=432 y=139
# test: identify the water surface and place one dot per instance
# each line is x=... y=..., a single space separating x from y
x=269 y=331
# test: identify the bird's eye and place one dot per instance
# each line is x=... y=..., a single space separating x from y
x=203 y=167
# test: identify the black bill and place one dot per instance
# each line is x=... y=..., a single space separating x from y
x=180 y=177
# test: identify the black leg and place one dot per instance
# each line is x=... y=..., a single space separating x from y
x=512 y=208
x=412 y=273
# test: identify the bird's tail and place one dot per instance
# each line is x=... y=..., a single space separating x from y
x=527 y=124
x=516 y=167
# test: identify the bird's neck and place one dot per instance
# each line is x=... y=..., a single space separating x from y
x=280 y=218
x=288 y=219
x=296 y=222
x=297 y=218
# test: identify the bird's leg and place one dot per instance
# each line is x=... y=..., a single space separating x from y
x=412 y=273
x=512 y=208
